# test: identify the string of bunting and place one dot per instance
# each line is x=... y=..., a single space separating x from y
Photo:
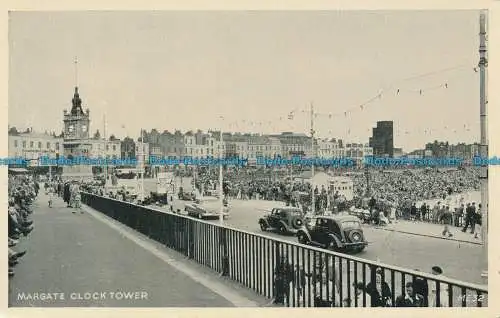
x=395 y=89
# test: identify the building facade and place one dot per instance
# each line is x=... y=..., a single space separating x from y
x=100 y=148
x=31 y=145
x=382 y=140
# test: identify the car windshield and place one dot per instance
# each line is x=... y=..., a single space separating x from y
x=351 y=224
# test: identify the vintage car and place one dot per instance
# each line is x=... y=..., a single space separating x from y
x=364 y=215
x=341 y=233
x=206 y=209
x=186 y=196
x=156 y=198
x=285 y=220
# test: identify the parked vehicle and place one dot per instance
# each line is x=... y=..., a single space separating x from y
x=206 y=209
x=186 y=196
x=285 y=220
x=338 y=233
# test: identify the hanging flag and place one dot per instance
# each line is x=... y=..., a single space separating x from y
x=445 y=85
x=397 y=93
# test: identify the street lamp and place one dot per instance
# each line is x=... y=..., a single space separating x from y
x=143 y=158
x=221 y=191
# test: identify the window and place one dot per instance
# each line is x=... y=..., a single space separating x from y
x=31 y=144
x=114 y=147
x=24 y=144
x=48 y=145
x=39 y=145
x=107 y=147
x=15 y=143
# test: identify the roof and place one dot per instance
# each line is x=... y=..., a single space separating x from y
x=289 y=208
x=338 y=218
x=18 y=170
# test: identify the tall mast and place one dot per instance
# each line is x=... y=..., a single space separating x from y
x=483 y=64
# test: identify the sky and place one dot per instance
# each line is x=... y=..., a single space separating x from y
x=184 y=70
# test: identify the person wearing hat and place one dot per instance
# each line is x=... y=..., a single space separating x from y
x=379 y=291
x=443 y=289
x=410 y=298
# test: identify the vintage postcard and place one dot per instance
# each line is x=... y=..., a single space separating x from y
x=251 y=159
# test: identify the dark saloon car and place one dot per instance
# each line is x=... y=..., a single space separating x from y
x=338 y=233
x=285 y=220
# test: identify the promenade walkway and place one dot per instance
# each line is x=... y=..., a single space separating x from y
x=83 y=260
x=432 y=230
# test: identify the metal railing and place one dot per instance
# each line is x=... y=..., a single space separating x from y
x=292 y=274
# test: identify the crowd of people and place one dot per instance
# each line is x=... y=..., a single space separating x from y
x=419 y=292
x=401 y=189
x=22 y=191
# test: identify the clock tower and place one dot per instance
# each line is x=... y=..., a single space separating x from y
x=76 y=129
x=76 y=140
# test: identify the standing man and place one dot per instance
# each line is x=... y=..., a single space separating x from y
x=468 y=217
x=447 y=219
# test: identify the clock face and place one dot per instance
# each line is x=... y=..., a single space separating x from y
x=84 y=128
x=71 y=128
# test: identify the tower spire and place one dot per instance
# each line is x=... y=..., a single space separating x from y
x=76 y=71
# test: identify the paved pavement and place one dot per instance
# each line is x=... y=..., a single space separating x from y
x=71 y=255
x=433 y=231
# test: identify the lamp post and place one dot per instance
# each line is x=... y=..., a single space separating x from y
x=221 y=181
x=143 y=158
x=105 y=154
x=483 y=63
x=313 y=203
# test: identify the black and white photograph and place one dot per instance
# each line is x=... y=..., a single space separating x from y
x=333 y=158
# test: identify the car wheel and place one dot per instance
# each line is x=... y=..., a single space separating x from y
x=263 y=226
x=332 y=245
x=303 y=239
x=282 y=229
x=360 y=249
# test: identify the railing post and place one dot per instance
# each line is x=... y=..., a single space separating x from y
x=224 y=251
x=190 y=238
